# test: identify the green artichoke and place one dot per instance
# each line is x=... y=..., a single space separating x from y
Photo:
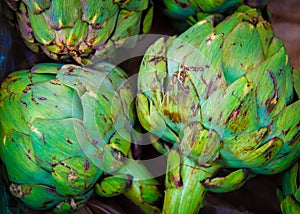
x=220 y=95
x=62 y=127
x=79 y=28
x=181 y=10
x=289 y=196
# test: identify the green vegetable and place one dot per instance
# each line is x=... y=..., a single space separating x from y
x=289 y=194
x=221 y=96
x=62 y=127
x=182 y=11
x=79 y=29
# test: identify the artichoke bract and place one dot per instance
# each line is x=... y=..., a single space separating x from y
x=79 y=28
x=62 y=127
x=288 y=195
x=181 y=10
x=220 y=95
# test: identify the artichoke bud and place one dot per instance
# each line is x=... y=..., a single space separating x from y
x=113 y=185
x=59 y=132
x=182 y=11
x=199 y=144
x=79 y=30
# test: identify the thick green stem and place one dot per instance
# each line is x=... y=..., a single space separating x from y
x=184 y=190
x=144 y=190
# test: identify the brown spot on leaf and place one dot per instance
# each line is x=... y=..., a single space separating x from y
x=87 y=165
x=42 y=98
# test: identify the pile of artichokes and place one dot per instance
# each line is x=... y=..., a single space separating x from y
x=220 y=97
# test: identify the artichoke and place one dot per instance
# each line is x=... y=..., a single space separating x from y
x=289 y=194
x=78 y=28
x=62 y=128
x=220 y=96
x=181 y=10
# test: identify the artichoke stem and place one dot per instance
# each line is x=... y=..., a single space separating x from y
x=144 y=191
x=185 y=193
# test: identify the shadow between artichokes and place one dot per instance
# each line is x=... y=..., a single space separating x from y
x=66 y=129
x=222 y=95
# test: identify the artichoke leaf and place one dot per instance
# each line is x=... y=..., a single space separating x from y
x=97 y=12
x=61 y=14
x=126 y=27
x=57 y=140
x=18 y=155
x=113 y=185
x=42 y=31
x=37 y=6
x=231 y=182
x=242 y=51
x=44 y=100
x=76 y=175
x=36 y=196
